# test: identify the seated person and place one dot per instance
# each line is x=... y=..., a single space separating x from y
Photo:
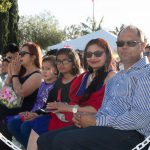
x=123 y=120
x=87 y=90
x=22 y=121
x=26 y=84
x=68 y=65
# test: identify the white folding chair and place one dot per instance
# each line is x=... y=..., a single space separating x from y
x=141 y=145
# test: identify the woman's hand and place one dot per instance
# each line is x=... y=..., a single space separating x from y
x=28 y=115
x=15 y=66
x=9 y=71
x=57 y=107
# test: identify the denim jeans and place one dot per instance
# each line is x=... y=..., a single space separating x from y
x=20 y=130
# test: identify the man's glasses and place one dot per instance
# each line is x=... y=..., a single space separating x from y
x=23 y=53
x=146 y=53
x=96 y=54
x=63 y=62
x=129 y=43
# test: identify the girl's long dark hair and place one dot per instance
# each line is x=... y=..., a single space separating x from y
x=71 y=54
x=102 y=72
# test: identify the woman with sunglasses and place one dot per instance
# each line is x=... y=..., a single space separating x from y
x=27 y=84
x=87 y=90
x=23 y=122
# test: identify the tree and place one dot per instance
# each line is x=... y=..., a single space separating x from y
x=42 y=29
x=73 y=31
x=8 y=22
x=117 y=29
x=4 y=19
x=91 y=26
x=5 y=5
x=13 y=23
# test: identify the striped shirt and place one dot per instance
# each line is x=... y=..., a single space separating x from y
x=126 y=104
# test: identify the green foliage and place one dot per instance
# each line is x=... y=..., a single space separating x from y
x=91 y=26
x=42 y=29
x=75 y=31
x=117 y=29
x=4 y=5
x=13 y=22
x=8 y=23
x=4 y=19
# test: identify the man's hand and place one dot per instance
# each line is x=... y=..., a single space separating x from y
x=83 y=120
x=28 y=115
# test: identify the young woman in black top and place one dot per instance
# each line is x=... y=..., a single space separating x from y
x=68 y=65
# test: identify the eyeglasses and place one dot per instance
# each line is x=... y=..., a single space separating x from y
x=63 y=62
x=23 y=53
x=129 y=43
x=96 y=54
x=146 y=53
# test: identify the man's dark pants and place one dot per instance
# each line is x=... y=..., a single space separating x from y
x=91 y=138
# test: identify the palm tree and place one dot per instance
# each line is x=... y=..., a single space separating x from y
x=73 y=31
x=117 y=29
x=91 y=26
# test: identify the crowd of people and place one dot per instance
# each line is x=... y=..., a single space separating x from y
x=70 y=102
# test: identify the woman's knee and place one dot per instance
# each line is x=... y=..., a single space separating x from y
x=26 y=128
x=14 y=124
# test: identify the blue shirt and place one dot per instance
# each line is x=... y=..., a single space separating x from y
x=42 y=95
x=126 y=104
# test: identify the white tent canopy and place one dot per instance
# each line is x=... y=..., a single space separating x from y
x=81 y=42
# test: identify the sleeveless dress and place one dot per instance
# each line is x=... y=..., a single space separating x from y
x=27 y=103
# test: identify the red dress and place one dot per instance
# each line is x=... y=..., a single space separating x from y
x=95 y=100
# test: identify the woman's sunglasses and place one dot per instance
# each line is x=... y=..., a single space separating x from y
x=96 y=54
x=129 y=43
x=23 y=53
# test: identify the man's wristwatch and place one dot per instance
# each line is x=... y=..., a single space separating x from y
x=75 y=109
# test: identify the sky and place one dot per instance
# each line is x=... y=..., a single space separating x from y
x=115 y=12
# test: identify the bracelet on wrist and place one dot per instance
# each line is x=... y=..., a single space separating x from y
x=15 y=76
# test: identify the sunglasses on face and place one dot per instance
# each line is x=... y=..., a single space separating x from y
x=63 y=62
x=23 y=53
x=96 y=54
x=129 y=43
x=146 y=53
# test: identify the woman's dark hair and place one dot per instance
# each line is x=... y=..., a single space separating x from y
x=52 y=60
x=12 y=48
x=103 y=44
x=35 y=50
x=73 y=56
x=5 y=60
x=102 y=72
x=52 y=52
